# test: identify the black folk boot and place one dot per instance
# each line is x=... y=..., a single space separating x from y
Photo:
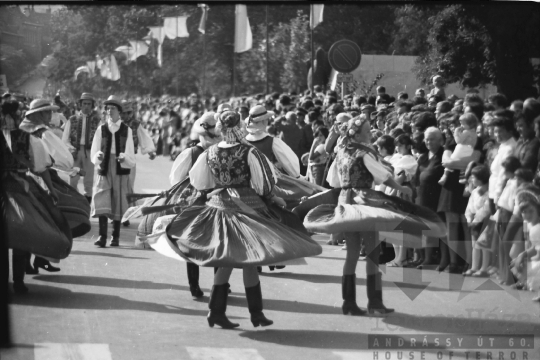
x=374 y=293
x=115 y=241
x=255 y=306
x=348 y=292
x=102 y=240
x=218 y=307
x=193 y=279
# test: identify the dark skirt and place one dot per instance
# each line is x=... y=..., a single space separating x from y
x=398 y=221
x=73 y=205
x=451 y=198
x=183 y=194
x=236 y=228
x=34 y=223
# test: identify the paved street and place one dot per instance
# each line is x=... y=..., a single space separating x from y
x=131 y=303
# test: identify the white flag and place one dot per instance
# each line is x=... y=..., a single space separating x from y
x=243 y=39
x=202 y=23
x=114 y=73
x=174 y=27
x=316 y=16
x=92 y=67
x=157 y=33
x=138 y=48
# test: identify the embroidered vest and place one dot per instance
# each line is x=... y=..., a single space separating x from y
x=264 y=145
x=20 y=145
x=134 y=125
x=92 y=123
x=352 y=170
x=230 y=166
x=120 y=140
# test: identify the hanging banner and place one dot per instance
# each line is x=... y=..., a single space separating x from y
x=243 y=39
x=174 y=27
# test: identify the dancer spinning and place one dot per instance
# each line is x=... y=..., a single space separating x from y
x=361 y=213
x=235 y=228
x=35 y=224
x=182 y=193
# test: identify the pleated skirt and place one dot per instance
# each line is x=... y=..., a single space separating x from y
x=396 y=220
x=34 y=223
x=236 y=228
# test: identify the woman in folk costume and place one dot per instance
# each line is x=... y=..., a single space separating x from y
x=35 y=224
x=73 y=205
x=113 y=155
x=182 y=194
x=291 y=188
x=235 y=228
x=361 y=213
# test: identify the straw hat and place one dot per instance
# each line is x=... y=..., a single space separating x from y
x=87 y=96
x=41 y=105
x=259 y=113
x=206 y=122
x=114 y=100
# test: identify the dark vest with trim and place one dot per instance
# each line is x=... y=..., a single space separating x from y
x=20 y=145
x=264 y=145
x=120 y=140
x=352 y=170
x=229 y=166
x=92 y=123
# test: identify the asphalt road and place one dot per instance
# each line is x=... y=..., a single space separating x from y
x=132 y=303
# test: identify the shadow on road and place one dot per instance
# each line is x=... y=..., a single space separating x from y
x=316 y=339
x=502 y=323
x=55 y=297
x=109 y=282
x=81 y=252
x=336 y=279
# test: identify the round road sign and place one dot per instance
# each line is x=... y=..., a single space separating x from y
x=344 y=56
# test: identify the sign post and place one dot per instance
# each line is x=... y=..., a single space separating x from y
x=344 y=57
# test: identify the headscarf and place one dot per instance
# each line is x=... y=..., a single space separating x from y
x=229 y=125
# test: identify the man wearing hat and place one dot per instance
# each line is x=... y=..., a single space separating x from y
x=380 y=116
x=113 y=155
x=78 y=134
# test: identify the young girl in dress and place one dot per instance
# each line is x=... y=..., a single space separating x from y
x=465 y=136
x=476 y=212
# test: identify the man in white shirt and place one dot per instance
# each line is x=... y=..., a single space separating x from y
x=78 y=134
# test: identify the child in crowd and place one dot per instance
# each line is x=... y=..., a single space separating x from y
x=318 y=158
x=476 y=213
x=527 y=264
x=465 y=137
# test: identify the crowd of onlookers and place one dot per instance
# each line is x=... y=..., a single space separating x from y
x=474 y=161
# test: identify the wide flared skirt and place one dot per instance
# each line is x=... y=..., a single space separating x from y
x=73 y=205
x=234 y=229
x=293 y=190
x=33 y=222
x=183 y=194
x=358 y=210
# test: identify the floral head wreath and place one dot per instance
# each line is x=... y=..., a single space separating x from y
x=229 y=125
x=352 y=127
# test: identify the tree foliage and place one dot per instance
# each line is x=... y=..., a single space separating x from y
x=476 y=44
